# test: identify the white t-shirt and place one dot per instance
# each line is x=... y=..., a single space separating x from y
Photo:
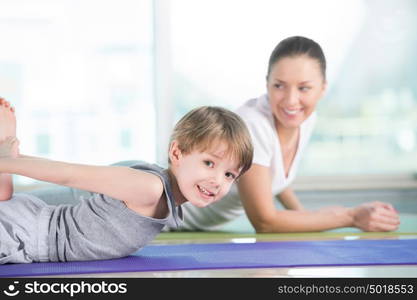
x=258 y=117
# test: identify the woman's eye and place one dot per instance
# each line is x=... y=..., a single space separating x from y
x=304 y=88
x=208 y=163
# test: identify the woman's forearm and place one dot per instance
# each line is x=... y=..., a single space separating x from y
x=306 y=221
x=290 y=200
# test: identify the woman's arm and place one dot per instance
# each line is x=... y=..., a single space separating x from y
x=255 y=192
x=290 y=200
x=139 y=190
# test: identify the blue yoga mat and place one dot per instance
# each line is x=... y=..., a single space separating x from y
x=230 y=256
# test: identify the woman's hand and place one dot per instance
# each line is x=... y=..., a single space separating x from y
x=375 y=216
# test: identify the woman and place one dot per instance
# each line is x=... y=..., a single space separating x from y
x=281 y=123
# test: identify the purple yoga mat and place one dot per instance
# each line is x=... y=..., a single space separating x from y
x=234 y=255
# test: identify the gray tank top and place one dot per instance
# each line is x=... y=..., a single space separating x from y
x=100 y=227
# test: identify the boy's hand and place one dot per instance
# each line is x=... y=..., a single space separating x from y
x=9 y=147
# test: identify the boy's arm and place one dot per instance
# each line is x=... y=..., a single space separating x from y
x=136 y=188
x=6 y=186
x=9 y=147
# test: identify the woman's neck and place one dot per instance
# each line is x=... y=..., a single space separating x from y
x=287 y=136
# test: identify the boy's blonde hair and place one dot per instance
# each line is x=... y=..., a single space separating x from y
x=203 y=127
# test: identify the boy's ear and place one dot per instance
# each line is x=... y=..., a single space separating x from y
x=174 y=152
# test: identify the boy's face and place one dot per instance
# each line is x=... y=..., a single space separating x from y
x=204 y=177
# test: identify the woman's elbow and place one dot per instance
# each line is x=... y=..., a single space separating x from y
x=261 y=229
x=273 y=224
x=263 y=225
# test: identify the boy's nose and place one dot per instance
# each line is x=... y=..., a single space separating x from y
x=216 y=180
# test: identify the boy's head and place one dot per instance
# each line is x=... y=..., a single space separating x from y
x=210 y=148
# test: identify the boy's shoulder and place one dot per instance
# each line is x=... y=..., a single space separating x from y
x=147 y=191
x=155 y=186
x=145 y=182
x=152 y=179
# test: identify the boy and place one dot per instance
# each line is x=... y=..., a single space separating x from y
x=209 y=149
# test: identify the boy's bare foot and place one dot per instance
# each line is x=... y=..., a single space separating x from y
x=9 y=147
x=7 y=120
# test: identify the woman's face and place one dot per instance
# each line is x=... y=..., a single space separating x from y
x=295 y=85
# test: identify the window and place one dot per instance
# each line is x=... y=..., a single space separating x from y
x=80 y=74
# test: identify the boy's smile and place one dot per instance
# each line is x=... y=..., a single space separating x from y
x=205 y=192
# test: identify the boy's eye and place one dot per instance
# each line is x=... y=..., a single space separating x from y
x=277 y=85
x=230 y=175
x=208 y=163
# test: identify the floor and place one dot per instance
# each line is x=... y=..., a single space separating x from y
x=223 y=237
